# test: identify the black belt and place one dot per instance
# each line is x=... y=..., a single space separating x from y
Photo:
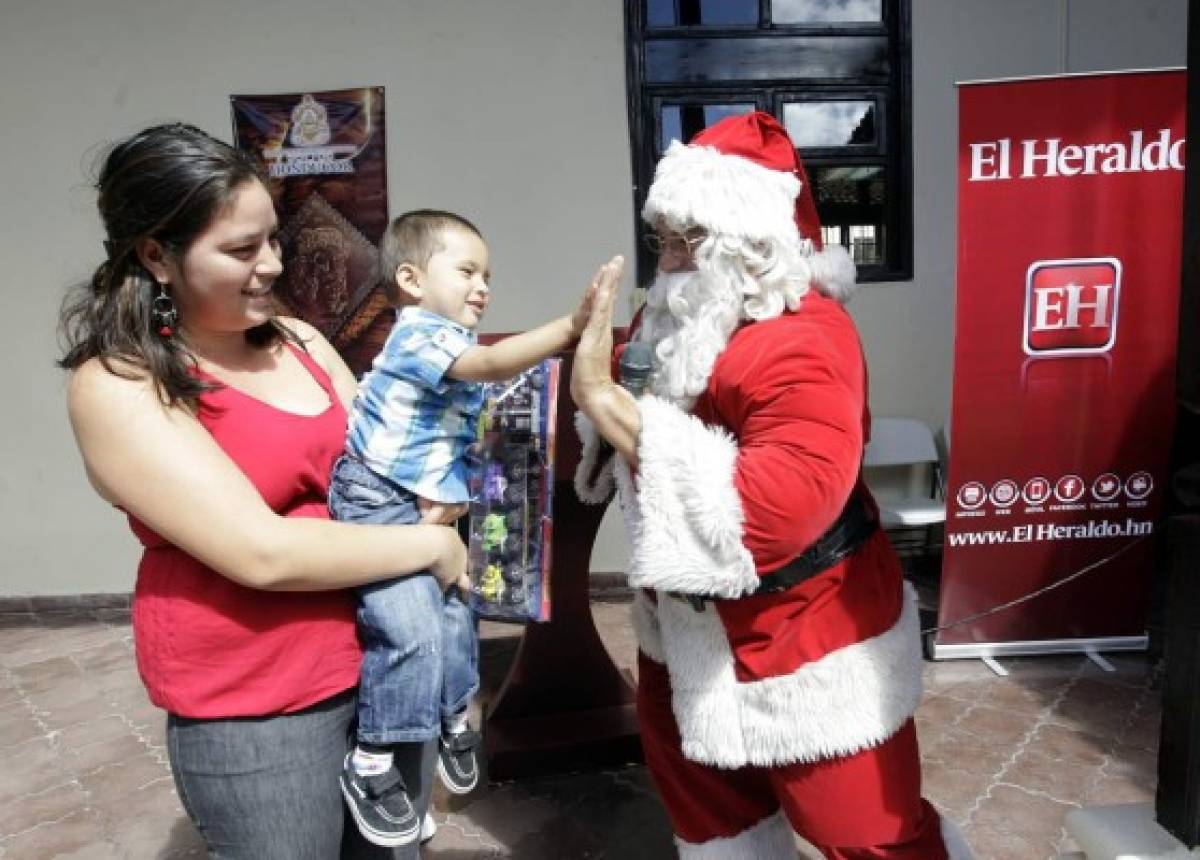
x=845 y=537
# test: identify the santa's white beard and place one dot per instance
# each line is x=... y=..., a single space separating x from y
x=689 y=319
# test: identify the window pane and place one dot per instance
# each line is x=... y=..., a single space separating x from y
x=710 y=13
x=831 y=235
x=756 y=58
x=702 y=13
x=660 y=13
x=811 y=124
x=853 y=199
x=681 y=122
x=826 y=11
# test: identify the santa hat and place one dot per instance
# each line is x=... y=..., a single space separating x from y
x=743 y=177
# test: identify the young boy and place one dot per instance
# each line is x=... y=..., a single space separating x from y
x=412 y=420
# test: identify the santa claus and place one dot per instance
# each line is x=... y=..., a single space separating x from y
x=779 y=663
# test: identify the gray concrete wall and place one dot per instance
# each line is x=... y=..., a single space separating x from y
x=513 y=113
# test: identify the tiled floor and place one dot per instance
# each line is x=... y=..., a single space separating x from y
x=84 y=769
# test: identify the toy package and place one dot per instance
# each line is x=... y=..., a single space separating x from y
x=511 y=485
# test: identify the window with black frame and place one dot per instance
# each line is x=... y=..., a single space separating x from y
x=836 y=73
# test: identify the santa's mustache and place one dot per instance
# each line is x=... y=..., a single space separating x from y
x=674 y=294
x=689 y=318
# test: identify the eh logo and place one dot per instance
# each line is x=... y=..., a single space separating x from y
x=1071 y=306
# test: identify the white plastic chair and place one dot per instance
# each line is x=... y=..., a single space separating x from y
x=902 y=467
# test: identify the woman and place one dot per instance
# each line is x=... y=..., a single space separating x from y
x=214 y=426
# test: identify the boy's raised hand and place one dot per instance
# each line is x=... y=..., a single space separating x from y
x=579 y=319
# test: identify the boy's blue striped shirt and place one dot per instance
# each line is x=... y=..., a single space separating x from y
x=411 y=423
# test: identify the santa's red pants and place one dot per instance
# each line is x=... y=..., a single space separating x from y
x=867 y=805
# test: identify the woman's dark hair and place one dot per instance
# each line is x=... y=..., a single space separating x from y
x=167 y=183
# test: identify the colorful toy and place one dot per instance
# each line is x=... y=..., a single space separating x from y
x=491 y=585
x=494 y=482
x=495 y=531
x=510 y=508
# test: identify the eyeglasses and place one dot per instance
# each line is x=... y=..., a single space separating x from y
x=674 y=244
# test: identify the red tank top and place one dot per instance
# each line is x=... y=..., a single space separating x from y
x=208 y=647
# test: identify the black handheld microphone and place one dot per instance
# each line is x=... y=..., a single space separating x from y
x=637 y=361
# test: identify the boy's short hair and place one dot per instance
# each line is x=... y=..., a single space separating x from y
x=413 y=238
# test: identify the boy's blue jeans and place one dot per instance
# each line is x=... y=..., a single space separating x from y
x=420 y=662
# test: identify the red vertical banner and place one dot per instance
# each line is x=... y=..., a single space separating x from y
x=1070 y=195
x=325 y=154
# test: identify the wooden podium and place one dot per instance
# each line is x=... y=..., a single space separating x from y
x=564 y=704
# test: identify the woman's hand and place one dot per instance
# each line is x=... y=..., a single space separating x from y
x=451 y=567
x=439 y=513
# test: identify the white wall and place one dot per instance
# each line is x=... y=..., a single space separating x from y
x=511 y=112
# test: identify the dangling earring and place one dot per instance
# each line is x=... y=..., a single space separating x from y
x=163 y=312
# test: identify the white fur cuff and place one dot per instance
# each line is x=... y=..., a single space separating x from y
x=685 y=513
x=769 y=839
x=593 y=486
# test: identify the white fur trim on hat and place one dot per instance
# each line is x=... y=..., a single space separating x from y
x=593 y=483
x=851 y=699
x=685 y=514
x=770 y=839
x=703 y=187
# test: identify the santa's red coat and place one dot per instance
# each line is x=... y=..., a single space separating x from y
x=751 y=477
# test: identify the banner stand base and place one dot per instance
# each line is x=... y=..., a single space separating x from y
x=1034 y=647
x=1127 y=830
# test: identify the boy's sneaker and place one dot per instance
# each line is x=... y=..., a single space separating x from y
x=380 y=806
x=458 y=766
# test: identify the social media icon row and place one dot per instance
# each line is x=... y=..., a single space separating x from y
x=1067 y=489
